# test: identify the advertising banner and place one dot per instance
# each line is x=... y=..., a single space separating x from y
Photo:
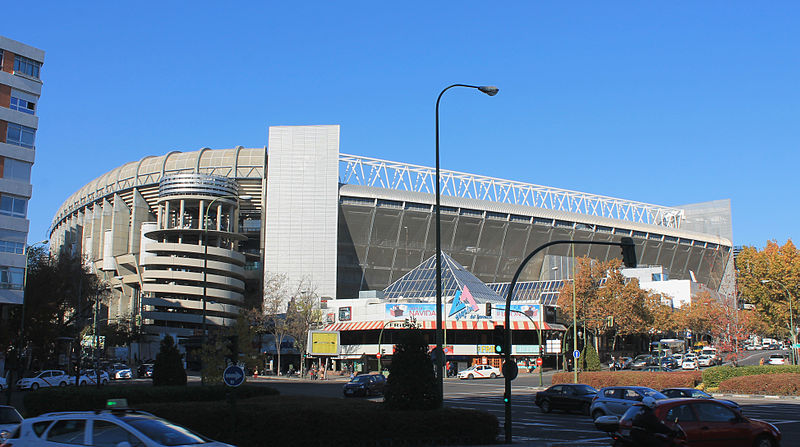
x=323 y=343
x=519 y=312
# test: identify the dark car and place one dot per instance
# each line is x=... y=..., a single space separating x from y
x=642 y=361
x=703 y=422
x=697 y=394
x=567 y=397
x=669 y=362
x=365 y=385
x=656 y=369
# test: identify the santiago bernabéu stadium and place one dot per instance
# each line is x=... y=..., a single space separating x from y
x=344 y=224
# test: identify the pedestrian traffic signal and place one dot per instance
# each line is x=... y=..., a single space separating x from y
x=499 y=339
x=628 y=252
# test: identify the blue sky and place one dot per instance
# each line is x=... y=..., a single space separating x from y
x=666 y=103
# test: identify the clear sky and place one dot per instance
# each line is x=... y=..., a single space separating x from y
x=660 y=102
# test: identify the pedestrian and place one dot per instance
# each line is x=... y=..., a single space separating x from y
x=447 y=368
x=761 y=361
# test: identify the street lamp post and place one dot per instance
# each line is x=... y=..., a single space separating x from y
x=491 y=91
x=792 y=332
x=204 y=222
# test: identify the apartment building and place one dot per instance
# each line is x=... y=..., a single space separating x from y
x=20 y=89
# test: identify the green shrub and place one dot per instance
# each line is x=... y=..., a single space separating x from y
x=591 y=361
x=712 y=377
x=411 y=384
x=655 y=380
x=783 y=384
x=168 y=368
x=89 y=398
x=329 y=422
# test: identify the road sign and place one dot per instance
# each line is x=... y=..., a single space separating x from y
x=539 y=362
x=233 y=376
x=576 y=353
x=510 y=370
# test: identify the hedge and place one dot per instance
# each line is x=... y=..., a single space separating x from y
x=783 y=384
x=712 y=377
x=328 y=422
x=655 y=380
x=91 y=398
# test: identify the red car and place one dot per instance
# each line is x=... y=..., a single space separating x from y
x=705 y=423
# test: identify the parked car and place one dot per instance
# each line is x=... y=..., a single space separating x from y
x=479 y=372
x=120 y=427
x=705 y=360
x=641 y=361
x=145 y=369
x=777 y=359
x=656 y=369
x=621 y=363
x=567 y=397
x=702 y=421
x=42 y=379
x=3 y=383
x=365 y=385
x=689 y=364
x=615 y=400
x=120 y=371
x=669 y=362
x=9 y=420
x=89 y=377
x=696 y=394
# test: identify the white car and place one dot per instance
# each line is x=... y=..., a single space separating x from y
x=89 y=377
x=43 y=379
x=3 y=383
x=120 y=371
x=689 y=364
x=678 y=357
x=479 y=372
x=120 y=427
x=705 y=360
x=9 y=421
x=777 y=359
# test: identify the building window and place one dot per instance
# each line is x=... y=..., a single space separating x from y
x=27 y=66
x=20 y=135
x=13 y=206
x=12 y=241
x=345 y=313
x=15 y=169
x=22 y=105
x=11 y=278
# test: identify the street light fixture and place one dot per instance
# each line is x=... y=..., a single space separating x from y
x=792 y=332
x=491 y=91
x=204 y=222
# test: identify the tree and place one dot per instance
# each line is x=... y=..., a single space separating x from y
x=233 y=344
x=271 y=318
x=303 y=314
x=168 y=368
x=779 y=266
x=591 y=360
x=411 y=384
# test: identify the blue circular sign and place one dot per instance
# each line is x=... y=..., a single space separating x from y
x=576 y=353
x=233 y=376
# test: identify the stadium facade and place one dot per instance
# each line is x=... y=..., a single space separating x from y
x=166 y=231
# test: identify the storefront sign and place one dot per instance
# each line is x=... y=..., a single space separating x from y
x=485 y=349
x=527 y=349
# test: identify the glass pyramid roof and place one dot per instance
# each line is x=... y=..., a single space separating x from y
x=421 y=282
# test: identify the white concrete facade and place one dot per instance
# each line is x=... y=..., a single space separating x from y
x=302 y=213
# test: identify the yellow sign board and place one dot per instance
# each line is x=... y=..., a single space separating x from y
x=323 y=343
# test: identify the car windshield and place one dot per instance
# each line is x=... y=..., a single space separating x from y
x=163 y=432
x=359 y=379
x=652 y=393
x=32 y=374
x=471 y=368
x=9 y=416
x=697 y=394
x=584 y=389
x=641 y=358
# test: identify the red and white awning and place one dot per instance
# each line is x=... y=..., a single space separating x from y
x=451 y=325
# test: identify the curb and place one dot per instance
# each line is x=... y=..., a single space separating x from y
x=755 y=396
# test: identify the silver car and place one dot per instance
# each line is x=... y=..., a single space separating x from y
x=9 y=421
x=615 y=400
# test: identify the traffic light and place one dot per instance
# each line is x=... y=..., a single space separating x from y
x=499 y=339
x=488 y=309
x=628 y=252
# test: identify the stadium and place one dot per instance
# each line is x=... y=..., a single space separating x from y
x=185 y=239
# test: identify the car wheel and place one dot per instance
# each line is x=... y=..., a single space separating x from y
x=34 y=386
x=62 y=384
x=598 y=413
x=104 y=382
x=470 y=377
x=493 y=376
x=545 y=406
x=83 y=383
x=763 y=441
x=585 y=409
